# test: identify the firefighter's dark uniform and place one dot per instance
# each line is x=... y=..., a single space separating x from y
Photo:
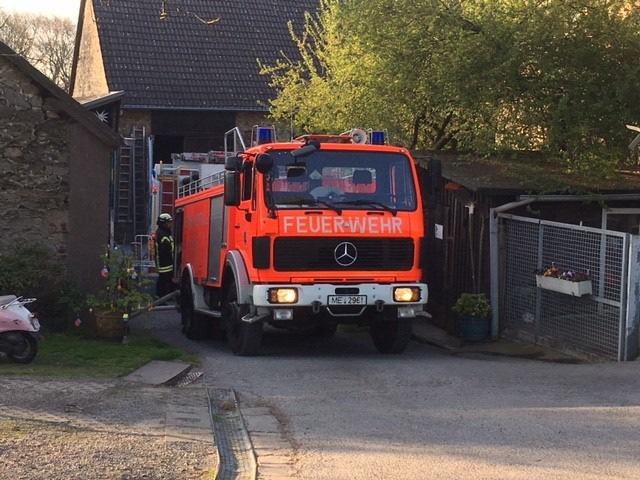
x=164 y=246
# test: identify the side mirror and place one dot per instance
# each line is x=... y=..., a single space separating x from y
x=231 y=188
x=264 y=163
x=232 y=164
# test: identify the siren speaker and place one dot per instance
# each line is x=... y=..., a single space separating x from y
x=358 y=135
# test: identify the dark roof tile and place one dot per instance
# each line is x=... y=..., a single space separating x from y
x=183 y=62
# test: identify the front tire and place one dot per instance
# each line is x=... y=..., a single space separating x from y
x=26 y=352
x=244 y=338
x=391 y=336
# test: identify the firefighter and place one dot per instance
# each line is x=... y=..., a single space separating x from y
x=164 y=247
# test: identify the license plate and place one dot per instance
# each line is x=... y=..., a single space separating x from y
x=347 y=300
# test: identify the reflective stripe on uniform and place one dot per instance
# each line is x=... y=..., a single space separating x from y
x=163 y=240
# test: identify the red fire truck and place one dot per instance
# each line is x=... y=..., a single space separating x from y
x=305 y=235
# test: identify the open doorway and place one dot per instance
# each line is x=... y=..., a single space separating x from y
x=164 y=146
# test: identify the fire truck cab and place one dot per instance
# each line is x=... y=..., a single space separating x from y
x=305 y=235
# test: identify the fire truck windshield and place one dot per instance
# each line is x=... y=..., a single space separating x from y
x=341 y=180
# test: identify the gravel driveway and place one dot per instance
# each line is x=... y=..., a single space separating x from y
x=84 y=429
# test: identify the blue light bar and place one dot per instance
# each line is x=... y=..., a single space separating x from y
x=377 y=137
x=263 y=134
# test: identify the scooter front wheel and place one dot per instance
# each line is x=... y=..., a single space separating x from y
x=25 y=352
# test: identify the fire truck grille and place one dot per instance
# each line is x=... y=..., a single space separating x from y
x=342 y=254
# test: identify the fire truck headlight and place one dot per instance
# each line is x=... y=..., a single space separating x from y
x=406 y=294
x=283 y=295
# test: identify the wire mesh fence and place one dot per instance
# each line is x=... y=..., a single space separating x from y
x=592 y=324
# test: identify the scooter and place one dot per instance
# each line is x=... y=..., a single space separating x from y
x=19 y=329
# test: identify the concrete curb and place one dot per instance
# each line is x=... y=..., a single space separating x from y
x=236 y=458
x=159 y=372
x=425 y=332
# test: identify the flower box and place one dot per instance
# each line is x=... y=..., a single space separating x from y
x=576 y=289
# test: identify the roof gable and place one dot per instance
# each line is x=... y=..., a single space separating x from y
x=200 y=55
x=62 y=101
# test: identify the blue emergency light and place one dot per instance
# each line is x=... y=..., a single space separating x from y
x=377 y=137
x=263 y=135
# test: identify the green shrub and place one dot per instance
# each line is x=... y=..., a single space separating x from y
x=472 y=305
x=32 y=270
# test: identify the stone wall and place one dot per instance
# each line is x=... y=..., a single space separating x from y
x=34 y=165
x=135 y=118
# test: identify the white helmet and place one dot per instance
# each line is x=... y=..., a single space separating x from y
x=164 y=217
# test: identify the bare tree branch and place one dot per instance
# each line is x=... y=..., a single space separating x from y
x=47 y=42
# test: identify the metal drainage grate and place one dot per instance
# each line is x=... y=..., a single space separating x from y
x=188 y=379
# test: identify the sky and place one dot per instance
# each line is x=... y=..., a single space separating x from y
x=61 y=8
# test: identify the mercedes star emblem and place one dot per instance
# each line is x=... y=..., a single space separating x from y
x=345 y=254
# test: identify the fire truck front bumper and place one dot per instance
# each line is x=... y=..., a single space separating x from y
x=407 y=299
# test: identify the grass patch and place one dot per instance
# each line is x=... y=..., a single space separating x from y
x=72 y=356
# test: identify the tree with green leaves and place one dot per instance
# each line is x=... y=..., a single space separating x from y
x=477 y=75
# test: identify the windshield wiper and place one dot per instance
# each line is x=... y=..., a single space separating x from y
x=386 y=208
x=332 y=206
x=312 y=202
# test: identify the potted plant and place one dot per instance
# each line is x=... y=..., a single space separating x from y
x=123 y=292
x=564 y=280
x=474 y=316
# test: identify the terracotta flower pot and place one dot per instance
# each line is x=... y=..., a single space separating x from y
x=110 y=325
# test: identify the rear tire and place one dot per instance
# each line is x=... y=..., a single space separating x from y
x=391 y=337
x=194 y=325
x=29 y=350
x=244 y=338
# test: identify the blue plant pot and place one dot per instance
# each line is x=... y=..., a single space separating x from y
x=474 y=329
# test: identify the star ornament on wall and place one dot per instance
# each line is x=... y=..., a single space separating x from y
x=103 y=116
